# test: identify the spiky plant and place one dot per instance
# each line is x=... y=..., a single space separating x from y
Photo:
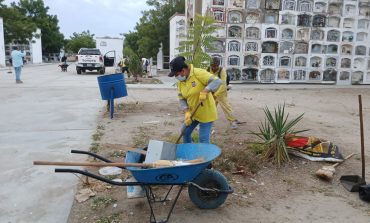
x=273 y=132
x=200 y=36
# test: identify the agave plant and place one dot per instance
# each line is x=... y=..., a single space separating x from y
x=274 y=130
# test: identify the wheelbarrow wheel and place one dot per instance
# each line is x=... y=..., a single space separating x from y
x=211 y=179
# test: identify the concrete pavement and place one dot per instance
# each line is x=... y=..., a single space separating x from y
x=43 y=119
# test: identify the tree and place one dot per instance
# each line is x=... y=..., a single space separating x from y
x=37 y=12
x=80 y=40
x=17 y=27
x=135 y=67
x=199 y=37
x=153 y=28
x=131 y=42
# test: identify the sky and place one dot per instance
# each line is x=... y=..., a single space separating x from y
x=101 y=17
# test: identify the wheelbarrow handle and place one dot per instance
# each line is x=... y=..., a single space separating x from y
x=50 y=163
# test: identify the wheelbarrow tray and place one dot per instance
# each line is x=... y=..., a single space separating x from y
x=177 y=174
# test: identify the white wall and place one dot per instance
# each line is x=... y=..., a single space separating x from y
x=177 y=27
x=2 y=44
x=36 y=48
x=108 y=44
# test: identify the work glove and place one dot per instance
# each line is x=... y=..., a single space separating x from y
x=203 y=96
x=187 y=119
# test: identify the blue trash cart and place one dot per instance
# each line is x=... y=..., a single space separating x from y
x=207 y=188
x=112 y=86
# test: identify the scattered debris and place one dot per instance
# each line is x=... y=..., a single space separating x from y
x=239 y=195
x=151 y=122
x=253 y=180
x=238 y=172
x=84 y=195
x=110 y=170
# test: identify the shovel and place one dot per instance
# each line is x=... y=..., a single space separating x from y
x=353 y=182
x=183 y=129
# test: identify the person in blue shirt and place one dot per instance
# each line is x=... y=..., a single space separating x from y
x=17 y=61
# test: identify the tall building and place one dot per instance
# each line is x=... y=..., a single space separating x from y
x=291 y=41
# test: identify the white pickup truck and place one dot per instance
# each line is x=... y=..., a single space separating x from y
x=89 y=59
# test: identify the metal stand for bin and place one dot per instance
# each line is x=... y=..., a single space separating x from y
x=111 y=102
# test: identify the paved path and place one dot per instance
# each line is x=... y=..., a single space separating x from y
x=42 y=119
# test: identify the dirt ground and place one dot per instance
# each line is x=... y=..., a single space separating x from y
x=265 y=193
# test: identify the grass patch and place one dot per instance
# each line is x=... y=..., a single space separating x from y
x=171 y=138
x=129 y=107
x=168 y=123
x=142 y=138
x=94 y=147
x=257 y=148
x=101 y=202
x=114 y=218
x=100 y=127
x=112 y=177
x=238 y=157
x=117 y=154
x=97 y=136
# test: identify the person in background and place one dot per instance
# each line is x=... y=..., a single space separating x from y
x=124 y=66
x=17 y=62
x=221 y=94
x=145 y=65
x=64 y=59
x=195 y=86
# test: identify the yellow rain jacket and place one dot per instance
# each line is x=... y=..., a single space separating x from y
x=222 y=90
x=189 y=90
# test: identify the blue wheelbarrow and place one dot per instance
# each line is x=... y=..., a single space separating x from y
x=207 y=188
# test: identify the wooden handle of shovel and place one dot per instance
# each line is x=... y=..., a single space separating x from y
x=158 y=163
x=362 y=136
x=191 y=116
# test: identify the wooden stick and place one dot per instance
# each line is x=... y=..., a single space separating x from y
x=158 y=163
x=362 y=136
x=183 y=129
x=346 y=158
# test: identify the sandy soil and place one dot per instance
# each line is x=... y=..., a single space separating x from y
x=266 y=194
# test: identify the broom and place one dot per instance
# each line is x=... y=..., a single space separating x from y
x=327 y=172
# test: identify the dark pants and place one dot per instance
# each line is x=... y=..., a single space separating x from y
x=123 y=69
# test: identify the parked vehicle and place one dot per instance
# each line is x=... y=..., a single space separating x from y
x=91 y=59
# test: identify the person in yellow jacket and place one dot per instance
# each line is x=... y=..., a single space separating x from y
x=195 y=86
x=221 y=94
x=124 y=66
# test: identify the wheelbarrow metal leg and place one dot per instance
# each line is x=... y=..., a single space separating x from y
x=150 y=197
